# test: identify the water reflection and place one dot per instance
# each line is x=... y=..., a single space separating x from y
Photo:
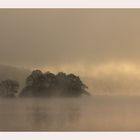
x=82 y=114
x=51 y=117
x=40 y=117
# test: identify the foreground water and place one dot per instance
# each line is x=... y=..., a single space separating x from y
x=71 y=114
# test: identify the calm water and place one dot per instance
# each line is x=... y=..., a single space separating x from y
x=79 y=114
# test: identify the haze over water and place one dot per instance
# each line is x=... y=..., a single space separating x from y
x=99 y=113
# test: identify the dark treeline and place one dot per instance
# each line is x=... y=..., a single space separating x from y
x=39 y=84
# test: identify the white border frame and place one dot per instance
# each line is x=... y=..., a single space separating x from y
x=69 y=3
x=70 y=136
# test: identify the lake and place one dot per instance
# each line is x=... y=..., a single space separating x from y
x=95 y=113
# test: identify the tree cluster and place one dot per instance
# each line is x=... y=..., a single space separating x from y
x=39 y=84
x=8 y=88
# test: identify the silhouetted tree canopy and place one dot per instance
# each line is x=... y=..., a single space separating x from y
x=8 y=88
x=47 y=84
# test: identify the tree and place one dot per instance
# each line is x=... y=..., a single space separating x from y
x=35 y=79
x=8 y=88
x=61 y=83
x=34 y=83
x=75 y=85
x=50 y=80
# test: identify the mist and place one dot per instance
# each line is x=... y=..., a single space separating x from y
x=98 y=113
x=99 y=45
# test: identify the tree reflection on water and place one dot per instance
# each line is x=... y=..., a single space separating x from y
x=48 y=117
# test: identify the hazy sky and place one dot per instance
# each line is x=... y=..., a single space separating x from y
x=89 y=42
x=50 y=37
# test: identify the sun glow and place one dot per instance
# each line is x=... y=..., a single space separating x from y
x=91 y=70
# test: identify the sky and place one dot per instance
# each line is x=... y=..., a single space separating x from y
x=100 y=45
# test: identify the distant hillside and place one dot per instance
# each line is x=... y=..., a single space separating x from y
x=14 y=73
